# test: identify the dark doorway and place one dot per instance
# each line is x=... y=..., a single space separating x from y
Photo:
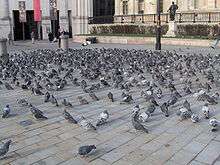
x=56 y=24
x=70 y=23
x=28 y=26
x=103 y=11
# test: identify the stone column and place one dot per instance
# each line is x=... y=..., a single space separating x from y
x=80 y=17
x=4 y=10
x=4 y=18
x=4 y=57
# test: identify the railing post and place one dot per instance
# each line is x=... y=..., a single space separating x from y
x=154 y=18
x=167 y=18
x=194 y=17
x=180 y=19
x=209 y=17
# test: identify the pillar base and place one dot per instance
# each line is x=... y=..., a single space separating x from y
x=172 y=31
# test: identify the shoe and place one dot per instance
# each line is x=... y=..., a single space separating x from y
x=212 y=47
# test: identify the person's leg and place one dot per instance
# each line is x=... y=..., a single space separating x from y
x=32 y=40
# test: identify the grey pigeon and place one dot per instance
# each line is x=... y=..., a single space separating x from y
x=110 y=97
x=47 y=97
x=103 y=117
x=6 y=111
x=94 y=97
x=85 y=150
x=5 y=148
x=22 y=102
x=38 y=114
x=66 y=103
x=8 y=86
x=68 y=117
x=137 y=125
x=54 y=101
x=164 y=109
x=82 y=101
x=186 y=105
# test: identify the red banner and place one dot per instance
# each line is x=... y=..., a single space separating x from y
x=37 y=10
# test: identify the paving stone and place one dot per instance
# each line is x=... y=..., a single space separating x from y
x=210 y=153
x=194 y=147
x=183 y=157
x=52 y=160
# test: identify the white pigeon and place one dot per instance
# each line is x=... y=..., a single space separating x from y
x=144 y=116
x=205 y=110
x=195 y=118
x=214 y=123
x=86 y=124
x=103 y=117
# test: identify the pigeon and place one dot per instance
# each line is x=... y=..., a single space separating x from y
x=137 y=125
x=151 y=108
x=53 y=100
x=211 y=100
x=164 y=109
x=82 y=101
x=110 y=97
x=205 y=110
x=22 y=102
x=94 y=97
x=4 y=148
x=184 y=114
x=127 y=98
x=214 y=123
x=136 y=109
x=47 y=97
x=6 y=111
x=8 y=86
x=144 y=116
x=172 y=101
x=85 y=150
x=66 y=103
x=194 y=118
x=86 y=124
x=68 y=117
x=38 y=114
x=103 y=117
x=104 y=82
x=186 y=105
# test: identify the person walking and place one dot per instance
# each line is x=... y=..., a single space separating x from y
x=32 y=37
x=10 y=41
x=50 y=36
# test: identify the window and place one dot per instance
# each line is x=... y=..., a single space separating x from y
x=125 y=7
x=140 y=6
x=196 y=4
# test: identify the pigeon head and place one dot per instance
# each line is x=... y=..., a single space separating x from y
x=93 y=146
x=8 y=143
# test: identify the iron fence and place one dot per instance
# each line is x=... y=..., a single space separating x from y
x=195 y=17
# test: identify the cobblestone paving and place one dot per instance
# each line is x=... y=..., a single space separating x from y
x=55 y=141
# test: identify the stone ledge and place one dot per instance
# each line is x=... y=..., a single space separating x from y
x=146 y=40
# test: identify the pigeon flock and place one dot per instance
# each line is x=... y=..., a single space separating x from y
x=166 y=81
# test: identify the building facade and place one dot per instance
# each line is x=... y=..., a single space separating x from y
x=9 y=18
x=129 y=7
x=76 y=15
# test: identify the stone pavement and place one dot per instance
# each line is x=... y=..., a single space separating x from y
x=55 y=141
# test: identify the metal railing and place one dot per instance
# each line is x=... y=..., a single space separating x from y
x=193 y=17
